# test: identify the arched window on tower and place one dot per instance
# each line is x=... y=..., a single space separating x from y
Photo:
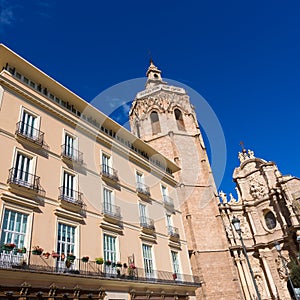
x=155 y=122
x=179 y=119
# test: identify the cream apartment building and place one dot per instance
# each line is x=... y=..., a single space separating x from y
x=87 y=209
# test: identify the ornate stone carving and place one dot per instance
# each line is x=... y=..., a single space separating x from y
x=257 y=187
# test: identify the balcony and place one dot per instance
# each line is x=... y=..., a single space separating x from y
x=29 y=133
x=147 y=225
x=168 y=203
x=21 y=179
x=70 y=199
x=111 y=213
x=142 y=190
x=109 y=173
x=71 y=154
x=40 y=265
x=173 y=233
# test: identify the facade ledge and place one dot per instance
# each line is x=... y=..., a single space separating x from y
x=22 y=201
x=111 y=227
x=148 y=238
x=66 y=214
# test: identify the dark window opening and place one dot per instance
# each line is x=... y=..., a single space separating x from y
x=155 y=122
x=270 y=220
x=179 y=119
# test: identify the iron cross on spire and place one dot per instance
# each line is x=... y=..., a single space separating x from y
x=243 y=146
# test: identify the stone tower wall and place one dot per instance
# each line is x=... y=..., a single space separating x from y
x=207 y=243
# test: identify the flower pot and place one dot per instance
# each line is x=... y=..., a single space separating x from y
x=36 y=252
x=71 y=257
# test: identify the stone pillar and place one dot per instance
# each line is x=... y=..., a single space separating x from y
x=269 y=277
x=244 y=284
x=248 y=278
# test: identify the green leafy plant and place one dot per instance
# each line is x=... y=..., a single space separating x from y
x=294 y=273
x=99 y=260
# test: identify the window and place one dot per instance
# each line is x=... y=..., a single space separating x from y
x=175 y=264
x=14 y=226
x=164 y=192
x=22 y=170
x=106 y=163
x=69 y=188
x=29 y=125
x=107 y=201
x=270 y=220
x=155 y=122
x=179 y=119
x=65 y=239
x=139 y=178
x=70 y=145
x=169 y=220
x=143 y=213
x=109 y=250
x=148 y=262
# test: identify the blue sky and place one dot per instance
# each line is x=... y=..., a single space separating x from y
x=241 y=56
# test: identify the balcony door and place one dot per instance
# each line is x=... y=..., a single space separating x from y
x=14 y=228
x=69 y=186
x=70 y=146
x=23 y=169
x=29 y=125
x=143 y=213
x=110 y=252
x=148 y=261
x=176 y=265
x=106 y=163
x=108 y=201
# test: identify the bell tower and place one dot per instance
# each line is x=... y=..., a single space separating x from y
x=163 y=117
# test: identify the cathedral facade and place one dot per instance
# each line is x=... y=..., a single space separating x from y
x=268 y=209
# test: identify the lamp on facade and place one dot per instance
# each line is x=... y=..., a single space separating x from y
x=237 y=226
x=283 y=260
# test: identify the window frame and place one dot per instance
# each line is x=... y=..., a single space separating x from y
x=22 y=210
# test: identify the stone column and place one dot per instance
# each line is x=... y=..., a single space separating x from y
x=248 y=278
x=269 y=277
x=245 y=287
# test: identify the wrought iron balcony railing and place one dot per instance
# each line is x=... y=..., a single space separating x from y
x=72 y=154
x=142 y=188
x=173 y=232
x=147 y=223
x=30 y=133
x=57 y=265
x=24 y=179
x=168 y=202
x=70 y=196
x=110 y=210
x=109 y=172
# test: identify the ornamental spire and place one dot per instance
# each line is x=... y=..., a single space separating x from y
x=154 y=75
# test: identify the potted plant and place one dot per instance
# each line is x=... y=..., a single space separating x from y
x=125 y=266
x=21 y=250
x=107 y=262
x=131 y=270
x=55 y=255
x=46 y=255
x=71 y=257
x=85 y=259
x=8 y=246
x=174 y=275
x=68 y=263
x=119 y=264
x=37 y=250
x=99 y=260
